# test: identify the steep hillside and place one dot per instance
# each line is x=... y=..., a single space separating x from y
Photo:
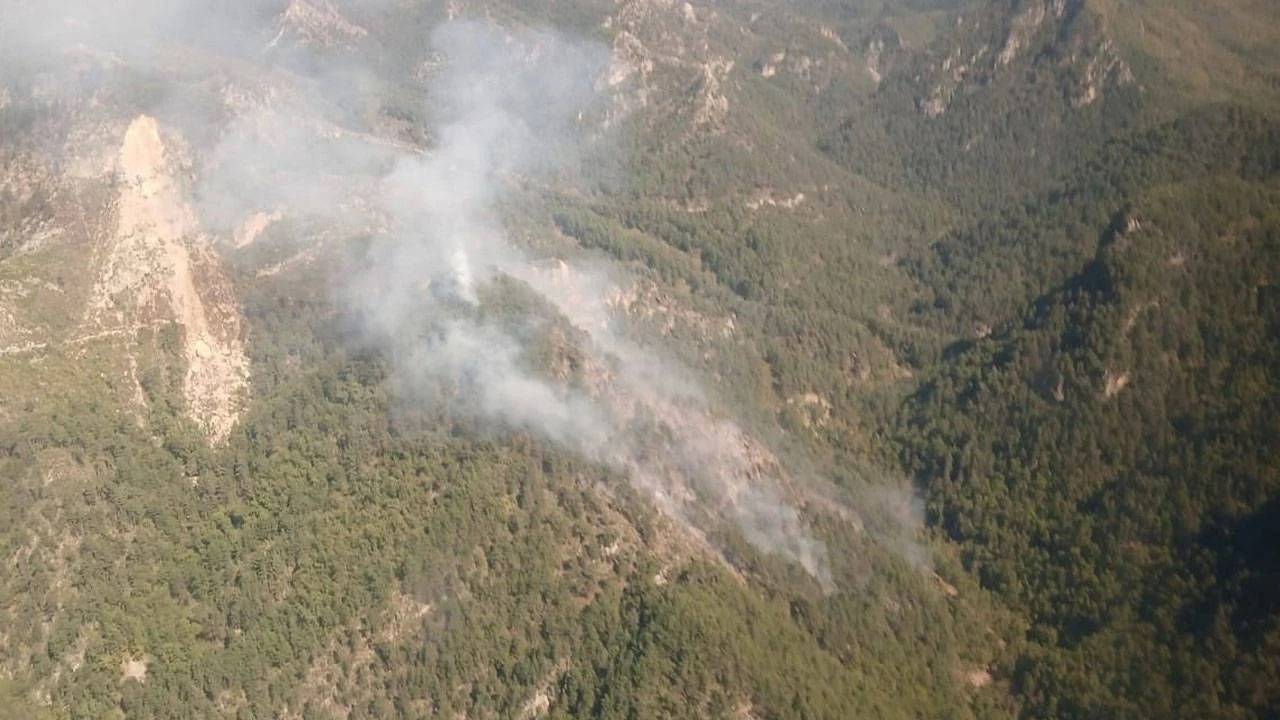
x=638 y=359
x=1133 y=408
x=268 y=458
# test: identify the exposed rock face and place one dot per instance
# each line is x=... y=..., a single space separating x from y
x=978 y=678
x=1024 y=26
x=159 y=267
x=766 y=197
x=134 y=669
x=317 y=23
x=1103 y=68
x=874 y=51
x=690 y=61
x=661 y=44
x=254 y=226
x=712 y=105
x=1115 y=382
x=988 y=47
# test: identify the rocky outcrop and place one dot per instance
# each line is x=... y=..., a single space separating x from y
x=989 y=44
x=317 y=23
x=1114 y=382
x=159 y=267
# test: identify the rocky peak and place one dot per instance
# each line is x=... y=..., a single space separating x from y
x=158 y=267
x=990 y=43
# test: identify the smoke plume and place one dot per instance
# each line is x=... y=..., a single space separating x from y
x=507 y=109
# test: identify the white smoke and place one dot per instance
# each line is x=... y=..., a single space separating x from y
x=507 y=108
x=510 y=106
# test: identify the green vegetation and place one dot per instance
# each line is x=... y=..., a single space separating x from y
x=340 y=555
x=1060 y=320
x=1108 y=465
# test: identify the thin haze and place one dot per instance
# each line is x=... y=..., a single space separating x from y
x=509 y=107
x=506 y=107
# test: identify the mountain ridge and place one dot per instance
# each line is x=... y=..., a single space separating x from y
x=899 y=359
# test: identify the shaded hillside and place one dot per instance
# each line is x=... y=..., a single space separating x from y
x=1107 y=464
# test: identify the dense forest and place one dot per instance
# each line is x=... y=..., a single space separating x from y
x=985 y=293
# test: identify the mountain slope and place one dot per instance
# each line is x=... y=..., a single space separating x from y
x=343 y=546
x=350 y=368
x=1132 y=409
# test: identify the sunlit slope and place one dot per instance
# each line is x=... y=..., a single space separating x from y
x=1214 y=51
